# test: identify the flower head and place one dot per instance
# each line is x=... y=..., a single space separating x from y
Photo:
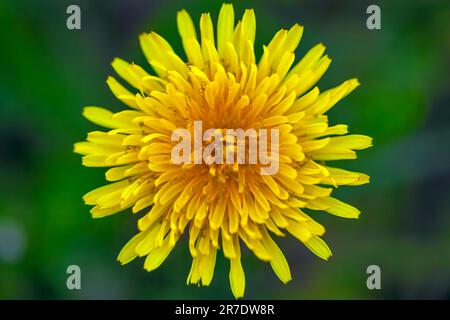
x=218 y=204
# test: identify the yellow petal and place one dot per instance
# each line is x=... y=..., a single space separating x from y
x=278 y=261
x=121 y=93
x=225 y=26
x=157 y=256
x=318 y=247
x=237 y=276
x=128 y=253
x=185 y=25
x=335 y=207
x=101 y=117
x=293 y=38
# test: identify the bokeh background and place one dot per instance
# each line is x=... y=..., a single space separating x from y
x=48 y=73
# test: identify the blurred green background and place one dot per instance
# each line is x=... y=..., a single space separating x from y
x=48 y=73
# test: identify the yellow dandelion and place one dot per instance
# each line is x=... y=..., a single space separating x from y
x=219 y=204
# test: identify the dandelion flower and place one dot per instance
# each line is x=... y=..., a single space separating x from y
x=218 y=206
